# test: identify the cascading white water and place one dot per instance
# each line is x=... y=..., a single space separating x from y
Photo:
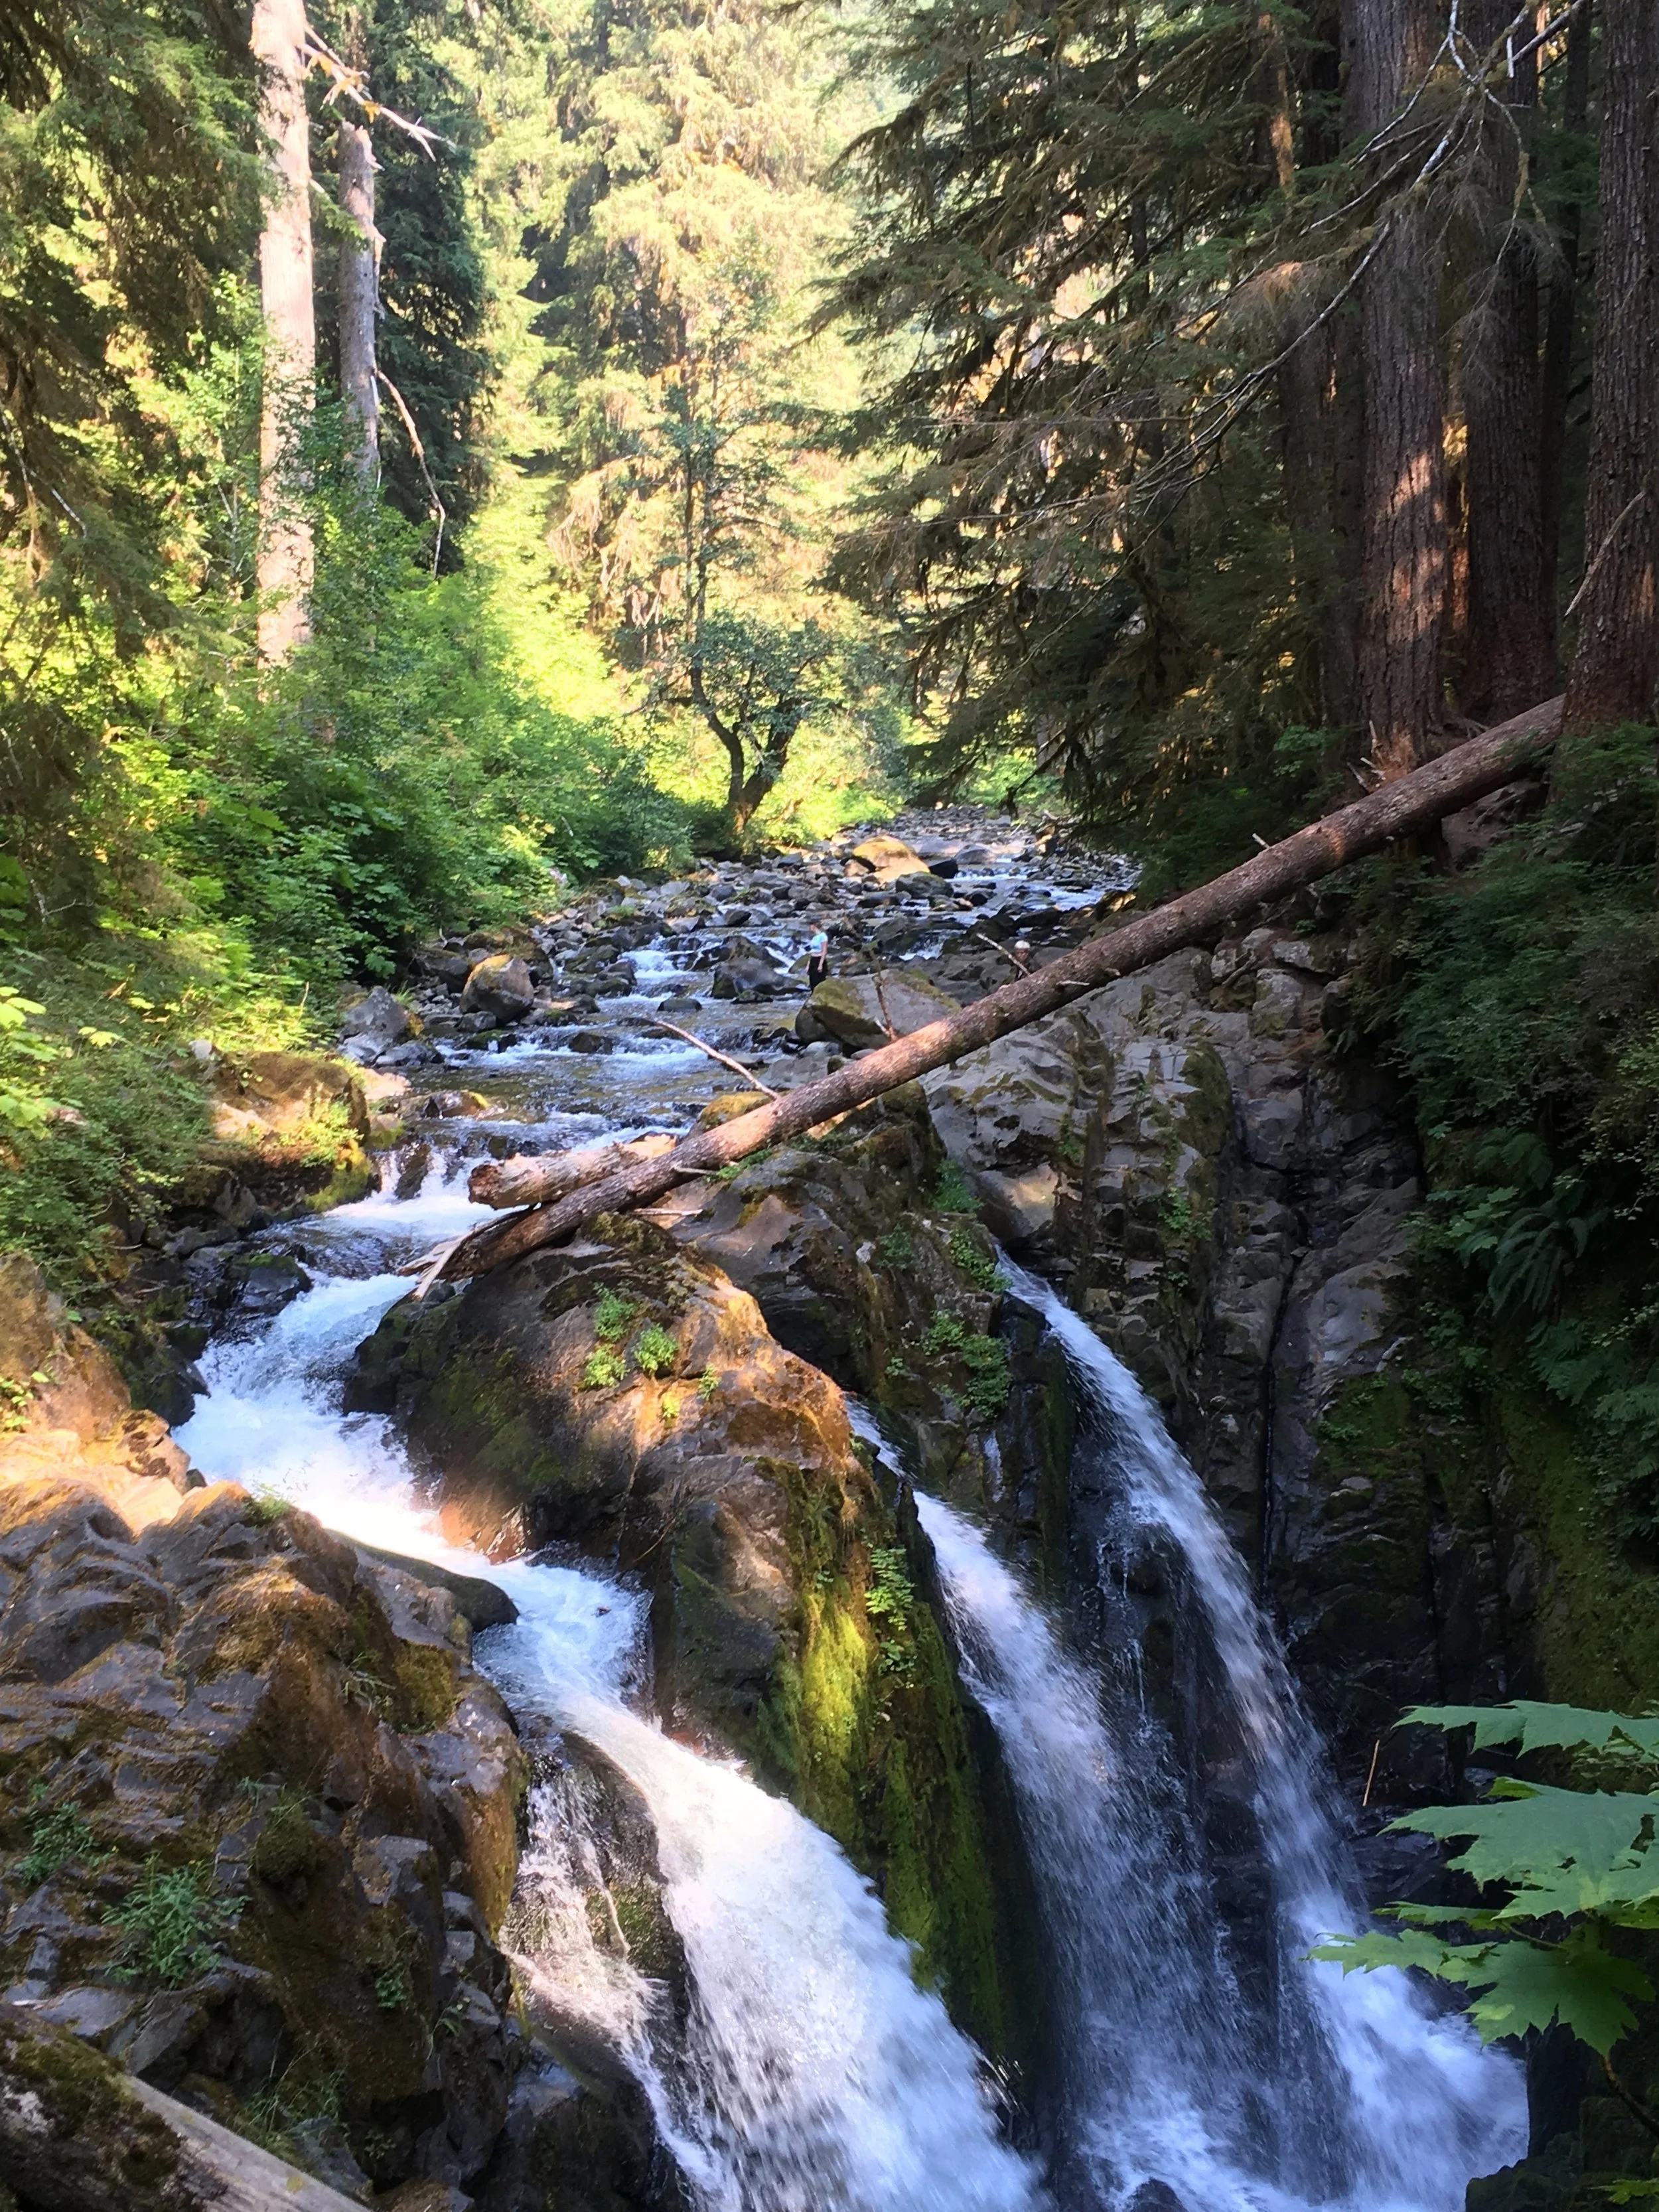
x=1367 y=2099
x=812 y=2073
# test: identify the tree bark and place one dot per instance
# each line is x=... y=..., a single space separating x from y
x=285 y=562
x=359 y=298
x=1560 y=322
x=1510 y=655
x=1615 y=658
x=1400 y=808
x=1403 y=552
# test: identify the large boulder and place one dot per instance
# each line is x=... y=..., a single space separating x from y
x=501 y=985
x=886 y=860
x=747 y=982
x=625 y=1397
x=860 y=1011
x=227 y=1698
x=374 y=1025
x=289 y=1132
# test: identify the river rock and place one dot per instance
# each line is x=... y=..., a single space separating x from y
x=374 y=1026
x=886 y=859
x=749 y=981
x=501 y=985
x=859 y=1011
x=289 y=1132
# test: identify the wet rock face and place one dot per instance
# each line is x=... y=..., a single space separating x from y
x=257 y=1810
x=1231 y=1208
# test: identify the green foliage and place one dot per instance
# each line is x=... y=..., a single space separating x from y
x=614 y=1317
x=1575 y=1862
x=897 y=1248
x=606 y=1368
x=990 y=1380
x=978 y=1264
x=55 y=1839
x=1520 y=998
x=889 y=1598
x=950 y=1192
x=172 y=1925
x=654 y=1350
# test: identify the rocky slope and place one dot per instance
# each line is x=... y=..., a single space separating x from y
x=258 y=1825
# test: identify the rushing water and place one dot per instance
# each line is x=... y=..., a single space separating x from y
x=1356 y=2094
x=813 y=2072
x=806 y=2072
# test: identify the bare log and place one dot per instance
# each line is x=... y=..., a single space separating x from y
x=1398 y=809
x=533 y=1178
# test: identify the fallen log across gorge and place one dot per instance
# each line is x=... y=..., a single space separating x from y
x=559 y=1200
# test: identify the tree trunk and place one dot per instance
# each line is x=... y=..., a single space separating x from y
x=1402 y=551
x=285 y=561
x=1560 y=326
x=1509 y=657
x=1615 y=658
x=1304 y=382
x=1400 y=809
x=359 y=298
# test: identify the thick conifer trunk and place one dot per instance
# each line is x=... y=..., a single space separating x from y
x=1510 y=659
x=1560 y=322
x=360 y=298
x=285 y=560
x=1615 y=660
x=1402 y=560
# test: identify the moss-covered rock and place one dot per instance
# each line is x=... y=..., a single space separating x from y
x=627 y=1397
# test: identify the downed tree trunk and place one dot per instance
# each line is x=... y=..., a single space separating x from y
x=79 y=2134
x=529 y=1180
x=1399 y=809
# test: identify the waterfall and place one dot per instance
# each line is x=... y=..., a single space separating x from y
x=811 y=2072
x=1322 y=2089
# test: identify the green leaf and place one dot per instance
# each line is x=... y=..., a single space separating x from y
x=1536 y=1726
x=1518 y=1984
x=1532 y=1839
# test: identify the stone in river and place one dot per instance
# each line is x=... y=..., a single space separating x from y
x=887 y=859
x=373 y=1024
x=592 y=1041
x=856 y=1012
x=747 y=980
x=502 y=986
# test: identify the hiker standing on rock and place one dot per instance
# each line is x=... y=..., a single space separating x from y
x=817 y=958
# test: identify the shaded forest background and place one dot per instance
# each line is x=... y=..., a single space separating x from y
x=700 y=423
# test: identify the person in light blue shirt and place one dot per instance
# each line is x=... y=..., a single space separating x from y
x=817 y=959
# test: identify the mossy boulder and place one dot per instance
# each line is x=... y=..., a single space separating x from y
x=866 y=1256
x=862 y=1011
x=625 y=1397
x=290 y=1132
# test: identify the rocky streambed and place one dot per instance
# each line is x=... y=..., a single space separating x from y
x=578 y=1958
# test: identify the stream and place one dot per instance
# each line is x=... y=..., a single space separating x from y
x=812 y=2074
